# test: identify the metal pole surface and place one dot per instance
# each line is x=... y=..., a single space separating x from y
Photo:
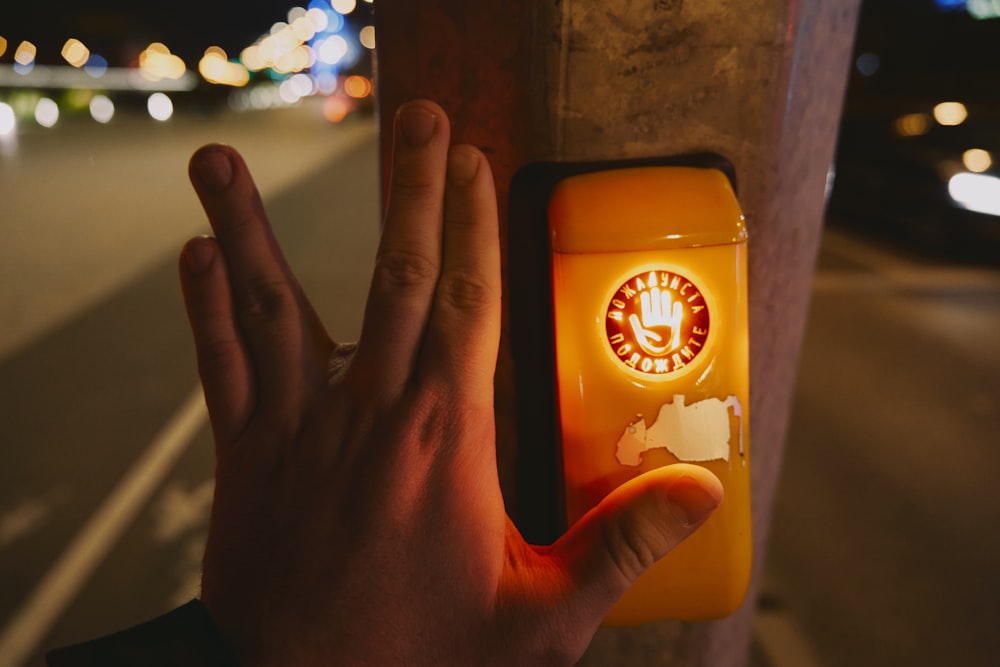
x=760 y=82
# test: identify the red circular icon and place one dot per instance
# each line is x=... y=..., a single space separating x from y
x=657 y=322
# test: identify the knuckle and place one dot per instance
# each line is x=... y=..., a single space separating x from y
x=466 y=292
x=404 y=270
x=264 y=302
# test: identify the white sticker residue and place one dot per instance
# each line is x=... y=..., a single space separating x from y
x=696 y=432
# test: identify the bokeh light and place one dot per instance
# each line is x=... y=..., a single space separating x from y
x=367 y=37
x=977 y=160
x=8 y=121
x=25 y=54
x=160 y=106
x=344 y=7
x=75 y=52
x=357 y=86
x=912 y=125
x=97 y=66
x=332 y=50
x=336 y=108
x=950 y=113
x=46 y=112
x=156 y=62
x=3 y=45
x=215 y=67
x=102 y=109
x=976 y=192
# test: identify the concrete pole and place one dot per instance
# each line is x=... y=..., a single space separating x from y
x=758 y=81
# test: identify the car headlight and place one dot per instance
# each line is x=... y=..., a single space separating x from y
x=976 y=192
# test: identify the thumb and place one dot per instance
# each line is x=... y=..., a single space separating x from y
x=634 y=526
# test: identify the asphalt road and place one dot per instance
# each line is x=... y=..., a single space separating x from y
x=884 y=545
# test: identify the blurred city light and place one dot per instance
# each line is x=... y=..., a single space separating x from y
x=24 y=58
x=336 y=108
x=983 y=9
x=8 y=120
x=46 y=112
x=215 y=67
x=344 y=7
x=912 y=125
x=102 y=109
x=156 y=62
x=950 y=113
x=357 y=86
x=976 y=192
x=25 y=54
x=75 y=52
x=367 y=37
x=96 y=66
x=332 y=50
x=977 y=160
x=160 y=106
x=3 y=45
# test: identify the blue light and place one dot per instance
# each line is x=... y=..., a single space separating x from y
x=96 y=66
x=950 y=5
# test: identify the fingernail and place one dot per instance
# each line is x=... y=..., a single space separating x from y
x=198 y=254
x=416 y=124
x=213 y=168
x=463 y=165
x=692 y=501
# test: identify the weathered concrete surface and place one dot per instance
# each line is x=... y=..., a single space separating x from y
x=759 y=81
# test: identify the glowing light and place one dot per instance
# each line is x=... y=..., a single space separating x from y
x=46 y=112
x=215 y=67
x=983 y=9
x=102 y=109
x=913 y=125
x=25 y=54
x=344 y=7
x=75 y=53
x=296 y=87
x=976 y=192
x=8 y=122
x=3 y=45
x=97 y=66
x=357 y=86
x=332 y=50
x=319 y=18
x=160 y=107
x=950 y=113
x=156 y=63
x=367 y=37
x=656 y=322
x=335 y=108
x=977 y=160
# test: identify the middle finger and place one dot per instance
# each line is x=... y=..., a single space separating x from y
x=409 y=255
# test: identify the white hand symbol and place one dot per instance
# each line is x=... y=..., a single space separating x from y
x=657 y=311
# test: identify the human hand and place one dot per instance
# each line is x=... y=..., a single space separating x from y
x=357 y=515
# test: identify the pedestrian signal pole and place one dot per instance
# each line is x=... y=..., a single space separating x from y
x=758 y=82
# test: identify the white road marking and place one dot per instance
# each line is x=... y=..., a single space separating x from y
x=782 y=643
x=179 y=510
x=30 y=623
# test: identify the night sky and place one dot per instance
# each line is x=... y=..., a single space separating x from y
x=119 y=29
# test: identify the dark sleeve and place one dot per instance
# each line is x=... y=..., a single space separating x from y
x=186 y=636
